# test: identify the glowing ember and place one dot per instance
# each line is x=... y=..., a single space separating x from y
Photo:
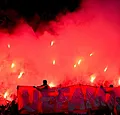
x=52 y=43
x=54 y=62
x=75 y=66
x=12 y=65
x=91 y=54
x=92 y=78
x=79 y=62
x=20 y=75
x=8 y=45
x=105 y=69
x=6 y=94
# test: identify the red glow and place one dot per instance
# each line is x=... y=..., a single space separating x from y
x=84 y=33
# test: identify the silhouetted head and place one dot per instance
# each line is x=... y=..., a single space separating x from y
x=111 y=86
x=44 y=82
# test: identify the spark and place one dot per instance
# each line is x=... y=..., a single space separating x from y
x=54 y=62
x=79 y=62
x=91 y=54
x=52 y=43
x=9 y=46
x=92 y=78
x=75 y=65
x=20 y=75
x=105 y=69
x=6 y=94
x=12 y=65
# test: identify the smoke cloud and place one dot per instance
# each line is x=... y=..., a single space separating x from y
x=52 y=50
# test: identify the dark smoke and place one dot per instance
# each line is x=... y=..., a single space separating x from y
x=33 y=12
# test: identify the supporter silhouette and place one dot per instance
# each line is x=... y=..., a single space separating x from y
x=42 y=87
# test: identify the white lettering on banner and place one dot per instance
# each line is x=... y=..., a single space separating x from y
x=62 y=99
x=77 y=101
x=48 y=102
x=82 y=101
x=100 y=97
x=97 y=102
x=35 y=99
x=52 y=100
x=25 y=97
x=90 y=102
x=88 y=99
x=118 y=103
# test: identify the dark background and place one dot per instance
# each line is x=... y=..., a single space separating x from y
x=33 y=11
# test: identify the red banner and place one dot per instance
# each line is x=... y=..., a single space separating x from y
x=54 y=100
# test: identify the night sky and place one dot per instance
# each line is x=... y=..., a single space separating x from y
x=34 y=11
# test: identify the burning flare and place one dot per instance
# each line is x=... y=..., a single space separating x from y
x=9 y=46
x=91 y=54
x=54 y=62
x=52 y=43
x=79 y=62
x=75 y=65
x=12 y=65
x=20 y=75
x=105 y=69
x=6 y=94
x=92 y=78
x=52 y=84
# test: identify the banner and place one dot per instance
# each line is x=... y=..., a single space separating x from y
x=67 y=99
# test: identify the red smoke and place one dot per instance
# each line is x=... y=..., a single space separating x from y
x=90 y=35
